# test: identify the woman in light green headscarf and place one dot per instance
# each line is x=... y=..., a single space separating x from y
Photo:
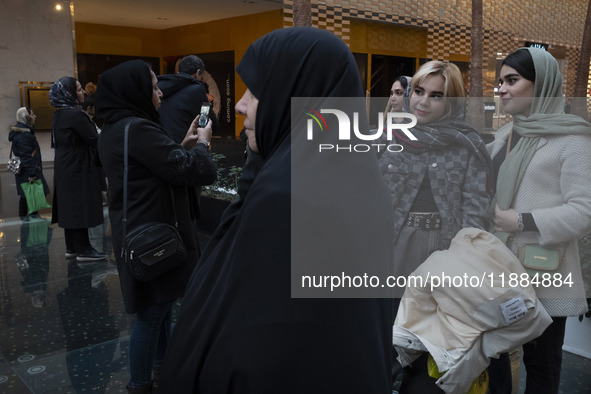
x=543 y=196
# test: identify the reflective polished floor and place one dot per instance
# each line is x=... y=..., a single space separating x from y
x=63 y=327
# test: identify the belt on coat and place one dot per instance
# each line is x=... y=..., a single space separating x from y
x=424 y=220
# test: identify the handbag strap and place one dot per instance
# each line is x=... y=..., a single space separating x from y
x=125 y=167
x=125 y=148
x=11 y=153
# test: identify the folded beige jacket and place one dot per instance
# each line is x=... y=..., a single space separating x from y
x=461 y=307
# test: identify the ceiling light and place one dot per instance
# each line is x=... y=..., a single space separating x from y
x=58 y=7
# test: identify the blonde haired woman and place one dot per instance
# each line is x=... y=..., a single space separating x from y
x=438 y=183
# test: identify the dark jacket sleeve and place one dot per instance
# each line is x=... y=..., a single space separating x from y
x=83 y=126
x=24 y=147
x=150 y=145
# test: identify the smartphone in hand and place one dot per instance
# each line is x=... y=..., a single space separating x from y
x=204 y=115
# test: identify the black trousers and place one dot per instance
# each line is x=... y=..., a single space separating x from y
x=499 y=372
x=416 y=378
x=542 y=358
x=77 y=240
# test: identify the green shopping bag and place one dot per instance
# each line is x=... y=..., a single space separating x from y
x=35 y=195
x=38 y=228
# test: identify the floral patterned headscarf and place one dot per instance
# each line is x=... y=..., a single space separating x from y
x=63 y=93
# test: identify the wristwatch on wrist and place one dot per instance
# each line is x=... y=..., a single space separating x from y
x=519 y=222
x=204 y=142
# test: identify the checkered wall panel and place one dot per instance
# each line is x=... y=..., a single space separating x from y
x=507 y=25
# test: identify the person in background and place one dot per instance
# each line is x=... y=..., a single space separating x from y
x=160 y=170
x=90 y=89
x=88 y=104
x=543 y=197
x=183 y=95
x=395 y=104
x=88 y=107
x=77 y=199
x=26 y=146
x=97 y=234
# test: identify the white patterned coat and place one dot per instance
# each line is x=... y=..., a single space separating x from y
x=556 y=189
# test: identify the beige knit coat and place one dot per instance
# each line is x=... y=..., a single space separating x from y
x=556 y=189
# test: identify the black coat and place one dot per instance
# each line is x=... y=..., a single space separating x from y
x=77 y=180
x=157 y=166
x=241 y=329
x=181 y=103
x=26 y=146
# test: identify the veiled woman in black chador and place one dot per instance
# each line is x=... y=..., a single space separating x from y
x=240 y=330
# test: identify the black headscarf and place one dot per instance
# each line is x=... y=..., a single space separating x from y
x=247 y=335
x=126 y=90
x=62 y=93
x=304 y=79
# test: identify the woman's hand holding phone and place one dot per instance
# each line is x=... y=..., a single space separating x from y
x=196 y=133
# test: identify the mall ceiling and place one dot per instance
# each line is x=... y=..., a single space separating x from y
x=159 y=14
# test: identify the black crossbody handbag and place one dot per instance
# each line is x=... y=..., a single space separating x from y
x=153 y=248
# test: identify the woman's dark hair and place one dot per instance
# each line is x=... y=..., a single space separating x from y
x=88 y=102
x=403 y=81
x=522 y=62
